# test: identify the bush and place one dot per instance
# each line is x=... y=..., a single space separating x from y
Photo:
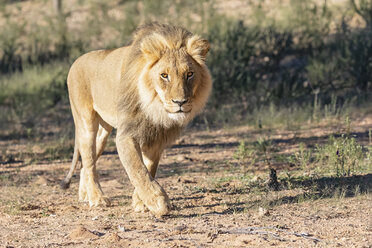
x=342 y=154
x=306 y=59
x=255 y=65
x=26 y=97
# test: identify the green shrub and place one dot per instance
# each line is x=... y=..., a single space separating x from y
x=25 y=97
x=307 y=62
x=243 y=151
x=343 y=154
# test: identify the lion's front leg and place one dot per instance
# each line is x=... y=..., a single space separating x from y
x=150 y=156
x=148 y=190
x=137 y=203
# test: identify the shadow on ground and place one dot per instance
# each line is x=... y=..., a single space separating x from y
x=320 y=188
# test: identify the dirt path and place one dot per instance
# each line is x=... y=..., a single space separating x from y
x=217 y=201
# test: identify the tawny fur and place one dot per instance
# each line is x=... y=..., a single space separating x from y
x=123 y=88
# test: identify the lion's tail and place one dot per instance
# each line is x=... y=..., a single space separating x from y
x=65 y=184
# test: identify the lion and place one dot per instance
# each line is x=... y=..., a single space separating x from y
x=148 y=91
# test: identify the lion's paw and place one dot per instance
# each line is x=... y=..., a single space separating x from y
x=139 y=207
x=83 y=196
x=94 y=199
x=137 y=204
x=159 y=206
x=99 y=201
x=157 y=201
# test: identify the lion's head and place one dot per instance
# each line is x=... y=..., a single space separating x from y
x=175 y=82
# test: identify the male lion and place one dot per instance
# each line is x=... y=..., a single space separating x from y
x=149 y=91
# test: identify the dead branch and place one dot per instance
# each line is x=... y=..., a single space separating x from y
x=261 y=231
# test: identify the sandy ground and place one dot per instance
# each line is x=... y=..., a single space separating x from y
x=214 y=202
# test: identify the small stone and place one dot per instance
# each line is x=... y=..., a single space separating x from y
x=121 y=228
x=263 y=211
x=41 y=181
x=180 y=228
x=181 y=158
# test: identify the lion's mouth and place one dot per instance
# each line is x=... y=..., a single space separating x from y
x=179 y=111
x=175 y=109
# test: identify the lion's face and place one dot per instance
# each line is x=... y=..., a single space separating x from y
x=175 y=77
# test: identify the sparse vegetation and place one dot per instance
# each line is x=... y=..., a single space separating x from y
x=344 y=155
x=283 y=85
x=312 y=61
x=302 y=158
x=243 y=152
x=341 y=156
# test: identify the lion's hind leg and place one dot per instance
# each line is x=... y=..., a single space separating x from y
x=89 y=188
x=103 y=133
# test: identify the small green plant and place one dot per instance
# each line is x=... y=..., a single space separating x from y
x=5 y=178
x=302 y=158
x=11 y=208
x=245 y=154
x=343 y=154
x=242 y=152
x=45 y=212
x=264 y=146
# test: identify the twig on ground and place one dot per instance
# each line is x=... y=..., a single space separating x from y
x=180 y=237
x=254 y=230
x=261 y=231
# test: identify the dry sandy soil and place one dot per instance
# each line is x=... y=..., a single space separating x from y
x=217 y=200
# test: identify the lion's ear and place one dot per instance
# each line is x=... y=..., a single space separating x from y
x=153 y=46
x=198 y=48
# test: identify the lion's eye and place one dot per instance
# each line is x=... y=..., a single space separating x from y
x=190 y=74
x=164 y=75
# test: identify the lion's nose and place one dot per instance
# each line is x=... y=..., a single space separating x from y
x=180 y=102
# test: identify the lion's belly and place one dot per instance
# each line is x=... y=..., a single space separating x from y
x=109 y=117
x=104 y=95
